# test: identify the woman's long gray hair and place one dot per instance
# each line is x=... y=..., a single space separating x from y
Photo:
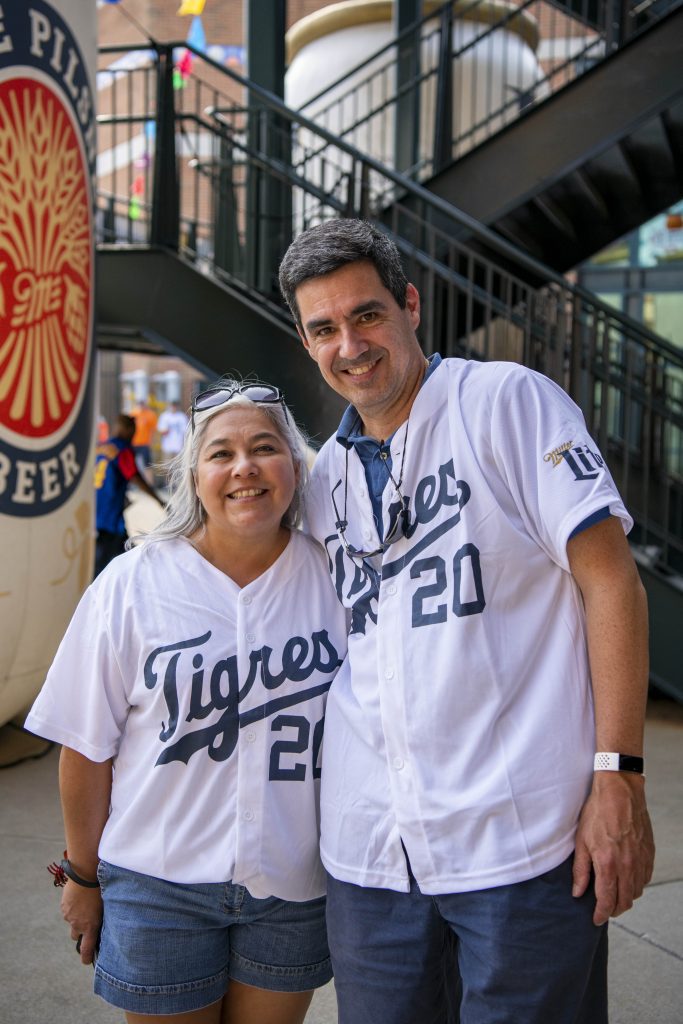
x=184 y=511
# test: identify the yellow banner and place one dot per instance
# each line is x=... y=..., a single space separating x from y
x=191 y=7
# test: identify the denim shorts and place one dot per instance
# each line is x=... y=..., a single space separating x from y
x=168 y=948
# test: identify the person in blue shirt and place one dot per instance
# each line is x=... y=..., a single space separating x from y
x=115 y=468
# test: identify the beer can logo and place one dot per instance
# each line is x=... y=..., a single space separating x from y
x=46 y=260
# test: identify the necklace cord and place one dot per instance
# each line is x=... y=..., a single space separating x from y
x=403 y=509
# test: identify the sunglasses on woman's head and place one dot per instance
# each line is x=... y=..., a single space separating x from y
x=216 y=396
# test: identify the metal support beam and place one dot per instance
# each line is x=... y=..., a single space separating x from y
x=443 y=128
x=407 y=122
x=165 y=195
x=269 y=215
x=265 y=22
x=227 y=250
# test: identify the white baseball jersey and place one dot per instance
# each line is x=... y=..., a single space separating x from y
x=174 y=422
x=211 y=700
x=462 y=721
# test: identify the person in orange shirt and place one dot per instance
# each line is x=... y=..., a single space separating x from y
x=145 y=425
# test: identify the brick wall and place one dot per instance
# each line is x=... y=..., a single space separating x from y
x=222 y=20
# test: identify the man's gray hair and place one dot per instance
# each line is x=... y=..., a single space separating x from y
x=184 y=511
x=335 y=243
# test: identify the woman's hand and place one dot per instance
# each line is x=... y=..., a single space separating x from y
x=82 y=909
x=85 y=790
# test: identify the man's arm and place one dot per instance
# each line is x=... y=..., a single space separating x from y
x=614 y=836
x=85 y=791
x=129 y=468
x=140 y=482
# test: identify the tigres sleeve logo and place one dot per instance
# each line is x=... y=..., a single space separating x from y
x=46 y=259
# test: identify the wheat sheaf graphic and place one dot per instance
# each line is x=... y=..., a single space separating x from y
x=44 y=260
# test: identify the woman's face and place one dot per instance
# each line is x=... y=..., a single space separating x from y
x=245 y=476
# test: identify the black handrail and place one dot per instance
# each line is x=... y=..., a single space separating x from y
x=406 y=186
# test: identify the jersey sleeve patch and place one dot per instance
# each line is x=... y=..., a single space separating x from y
x=582 y=461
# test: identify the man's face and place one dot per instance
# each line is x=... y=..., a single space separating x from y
x=363 y=342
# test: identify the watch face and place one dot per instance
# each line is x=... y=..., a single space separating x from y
x=628 y=763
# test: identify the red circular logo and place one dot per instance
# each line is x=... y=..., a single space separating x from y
x=45 y=260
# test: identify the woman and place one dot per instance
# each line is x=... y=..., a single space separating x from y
x=189 y=696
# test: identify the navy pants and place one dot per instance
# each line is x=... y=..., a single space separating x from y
x=526 y=953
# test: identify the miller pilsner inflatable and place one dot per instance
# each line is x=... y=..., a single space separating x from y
x=47 y=162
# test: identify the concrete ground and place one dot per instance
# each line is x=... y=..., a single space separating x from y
x=43 y=982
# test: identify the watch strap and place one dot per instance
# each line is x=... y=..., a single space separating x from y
x=613 y=762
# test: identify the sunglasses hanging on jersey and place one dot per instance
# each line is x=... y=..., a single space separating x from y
x=399 y=527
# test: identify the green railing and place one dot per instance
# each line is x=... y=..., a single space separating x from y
x=223 y=173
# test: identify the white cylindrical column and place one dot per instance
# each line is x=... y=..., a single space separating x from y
x=496 y=71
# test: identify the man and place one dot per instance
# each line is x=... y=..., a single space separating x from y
x=115 y=468
x=498 y=642
x=171 y=427
x=145 y=425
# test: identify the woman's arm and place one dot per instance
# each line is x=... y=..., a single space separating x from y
x=85 y=790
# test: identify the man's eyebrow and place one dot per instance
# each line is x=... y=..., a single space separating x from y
x=364 y=307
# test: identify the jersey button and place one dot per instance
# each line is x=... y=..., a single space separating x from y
x=248 y=815
x=398 y=763
x=251 y=637
x=391 y=589
x=388 y=673
x=251 y=736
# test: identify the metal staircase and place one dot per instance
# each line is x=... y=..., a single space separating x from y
x=195 y=212
x=562 y=163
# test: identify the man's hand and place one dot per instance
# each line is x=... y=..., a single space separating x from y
x=614 y=838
